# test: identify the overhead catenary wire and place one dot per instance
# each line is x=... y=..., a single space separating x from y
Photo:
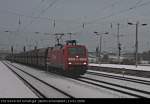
x=22 y=15
x=122 y=11
x=111 y=5
x=36 y=7
x=138 y=5
x=42 y=12
x=111 y=15
x=85 y=23
x=36 y=17
x=70 y=21
x=39 y=17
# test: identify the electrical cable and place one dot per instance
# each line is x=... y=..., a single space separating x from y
x=43 y=11
x=120 y=12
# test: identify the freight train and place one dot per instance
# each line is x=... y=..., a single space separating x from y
x=71 y=59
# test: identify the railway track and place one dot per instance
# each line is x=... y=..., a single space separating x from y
x=73 y=89
x=116 y=87
x=107 y=85
x=38 y=86
x=120 y=78
x=137 y=73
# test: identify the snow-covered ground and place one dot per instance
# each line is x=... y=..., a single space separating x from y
x=11 y=86
x=73 y=87
x=133 y=67
x=133 y=85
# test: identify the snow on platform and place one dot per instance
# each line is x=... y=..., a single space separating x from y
x=132 y=67
x=11 y=86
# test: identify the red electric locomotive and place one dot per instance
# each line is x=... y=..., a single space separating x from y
x=71 y=58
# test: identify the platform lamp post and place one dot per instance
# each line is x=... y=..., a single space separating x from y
x=100 y=45
x=136 y=40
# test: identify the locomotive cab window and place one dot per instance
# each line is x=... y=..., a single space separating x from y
x=80 y=51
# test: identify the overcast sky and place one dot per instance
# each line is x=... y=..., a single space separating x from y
x=69 y=16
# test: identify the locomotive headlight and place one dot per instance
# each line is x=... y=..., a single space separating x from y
x=69 y=63
x=84 y=63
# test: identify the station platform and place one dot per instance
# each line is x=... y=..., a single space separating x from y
x=11 y=86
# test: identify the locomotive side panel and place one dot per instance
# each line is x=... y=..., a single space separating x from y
x=55 y=58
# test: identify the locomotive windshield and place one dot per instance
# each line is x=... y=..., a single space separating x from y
x=73 y=51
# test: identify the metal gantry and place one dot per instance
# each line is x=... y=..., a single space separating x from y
x=100 y=45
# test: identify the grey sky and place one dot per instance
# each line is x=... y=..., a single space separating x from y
x=69 y=15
